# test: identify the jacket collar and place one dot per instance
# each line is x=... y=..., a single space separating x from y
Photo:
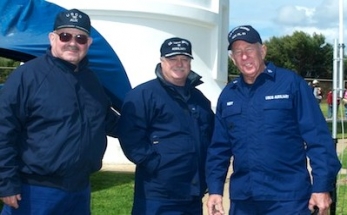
x=269 y=72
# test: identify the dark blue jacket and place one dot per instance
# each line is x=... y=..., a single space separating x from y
x=269 y=128
x=166 y=135
x=53 y=125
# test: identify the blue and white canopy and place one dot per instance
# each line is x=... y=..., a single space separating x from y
x=24 y=29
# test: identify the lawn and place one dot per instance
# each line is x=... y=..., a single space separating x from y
x=112 y=193
x=341 y=127
x=341 y=184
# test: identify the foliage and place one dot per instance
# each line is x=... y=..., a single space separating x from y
x=6 y=67
x=232 y=69
x=309 y=56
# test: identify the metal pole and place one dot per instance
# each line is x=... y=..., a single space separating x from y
x=335 y=89
x=338 y=63
x=334 y=122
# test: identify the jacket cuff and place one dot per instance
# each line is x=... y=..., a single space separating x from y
x=321 y=185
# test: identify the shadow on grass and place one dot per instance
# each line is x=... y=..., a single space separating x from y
x=341 y=128
x=107 y=179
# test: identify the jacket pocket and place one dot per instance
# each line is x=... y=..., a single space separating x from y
x=231 y=115
x=177 y=158
x=232 y=110
x=278 y=104
x=278 y=111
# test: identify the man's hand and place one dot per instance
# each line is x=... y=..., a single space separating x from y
x=215 y=205
x=322 y=201
x=12 y=201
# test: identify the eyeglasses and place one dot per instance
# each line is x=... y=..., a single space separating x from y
x=247 y=51
x=79 y=38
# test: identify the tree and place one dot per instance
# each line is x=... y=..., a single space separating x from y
x=308 y=56
x=6 y=67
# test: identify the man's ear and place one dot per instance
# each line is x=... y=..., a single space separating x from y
x=263 y=51
x=51 y=36
x=232 y=58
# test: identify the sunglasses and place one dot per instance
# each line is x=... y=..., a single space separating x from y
x=67 y=37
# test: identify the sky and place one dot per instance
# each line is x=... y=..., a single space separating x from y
x=283 y=17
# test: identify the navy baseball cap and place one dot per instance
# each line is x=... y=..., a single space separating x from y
x=244 y=32
x=73 y=19
x=176 y=46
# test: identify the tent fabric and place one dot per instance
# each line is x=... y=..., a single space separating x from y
x=24 y=29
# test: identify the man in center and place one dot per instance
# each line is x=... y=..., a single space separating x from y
x=165 y=128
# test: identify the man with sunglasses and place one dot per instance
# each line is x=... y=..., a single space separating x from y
x=54 y=118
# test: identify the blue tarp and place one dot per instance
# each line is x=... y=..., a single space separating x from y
x=24 y=29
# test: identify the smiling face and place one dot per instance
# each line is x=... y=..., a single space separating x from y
x=70 y=51
x=176 y=69
x=249 y=59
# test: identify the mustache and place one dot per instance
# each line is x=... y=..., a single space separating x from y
x=179 y=69
x=71 y=48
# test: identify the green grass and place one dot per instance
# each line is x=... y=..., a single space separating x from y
x=343 y=158
x=324 y=108
x=341 y=129
x=341 y=208
x=112 y=193
x=341 y=126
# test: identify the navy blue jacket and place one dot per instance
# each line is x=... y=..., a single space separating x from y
x=269 y=128
x=166 y=135
x=53 y=125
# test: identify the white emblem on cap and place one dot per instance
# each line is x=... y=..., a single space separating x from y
x=239 y=34
x=178 y=44
x=74 y=17
x=183 y=41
